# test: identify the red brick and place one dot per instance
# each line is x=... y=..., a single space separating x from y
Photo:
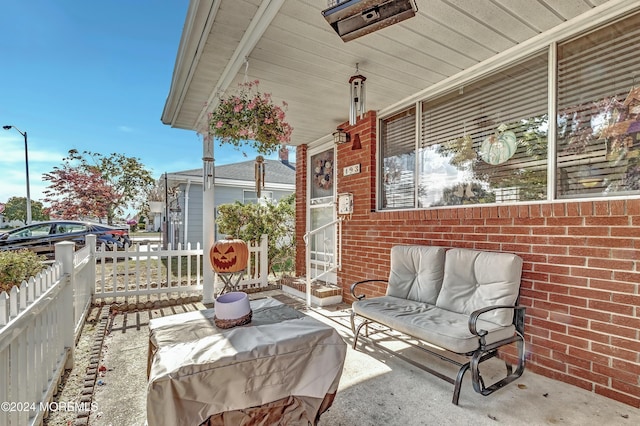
x=565 y=221
x=549 y=230
x=568 y=320
x=572 y=360
x=536 y=240
x=625 y=366
x=614 y=308
x=551 y=363
x=559 y=209
x=568 y=260
x=568 y=241
x=610 y=264
x=588 y=231
x=534 y=210
x=610 y=242
x=626 y=321
x=555 y=375
x=607 y=221
x=632 y=277
x=568 y=300
x=588 y=355
x=570 y=340
x=554 y=269
x=549 y=325
x=588 y=375
x=586 y=208
x=615 y=374
x=618 y=396
x=592 y=273
x=590 y=252
x=589 y=293
x=632 y=345
x=534 y=332
x=573 y=209
x=613 y=286
x=626 y=387
x=614 y=330
x=614 y=350
x=552 y=288
x=617 y=207
x=590 y=314
x=601 y=208
x=588 y=336
x=632 y=231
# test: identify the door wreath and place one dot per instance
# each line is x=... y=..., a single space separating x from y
x=323 y=173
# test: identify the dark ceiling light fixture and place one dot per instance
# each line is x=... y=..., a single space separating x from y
x=354 y=18
x=340 y=136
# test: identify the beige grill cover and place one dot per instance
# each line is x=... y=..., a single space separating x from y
x=198 y=370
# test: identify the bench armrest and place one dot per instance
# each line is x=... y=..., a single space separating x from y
x=362 y=296
x=518 y=318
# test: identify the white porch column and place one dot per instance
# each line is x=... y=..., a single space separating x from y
x=208 y=217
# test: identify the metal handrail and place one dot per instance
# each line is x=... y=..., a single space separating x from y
x=337 y=265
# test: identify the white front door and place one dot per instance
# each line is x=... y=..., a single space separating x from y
x=321 y=213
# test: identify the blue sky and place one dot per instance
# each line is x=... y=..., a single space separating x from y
x=91 y=75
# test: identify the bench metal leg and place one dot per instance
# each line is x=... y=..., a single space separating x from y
x=481 y=355
x=458 y=383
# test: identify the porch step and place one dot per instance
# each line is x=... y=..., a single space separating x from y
x=322 y=294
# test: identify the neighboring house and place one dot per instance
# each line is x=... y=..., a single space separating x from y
x=233 y=182
x=496 y=125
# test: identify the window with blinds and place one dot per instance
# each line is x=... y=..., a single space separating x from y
x=486 y=142
x=398 y=153
x=598 y=134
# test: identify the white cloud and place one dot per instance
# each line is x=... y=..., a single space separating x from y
x=125 y=129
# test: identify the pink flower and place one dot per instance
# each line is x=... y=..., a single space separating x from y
x=219 y=125
x=237 y=108
x=268 y=120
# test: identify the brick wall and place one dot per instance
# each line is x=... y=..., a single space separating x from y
x=580 y=278
x=301 y=207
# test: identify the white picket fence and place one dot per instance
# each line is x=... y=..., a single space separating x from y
x=39 y=323
x=145 y=270
x=41 y=319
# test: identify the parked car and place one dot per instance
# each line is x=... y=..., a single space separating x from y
x=41 y=237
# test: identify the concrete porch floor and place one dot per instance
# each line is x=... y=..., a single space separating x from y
x=381 y=384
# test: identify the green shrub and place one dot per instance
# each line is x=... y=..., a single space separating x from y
x=18 y=266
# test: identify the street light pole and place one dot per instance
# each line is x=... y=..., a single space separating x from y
x=26 y=160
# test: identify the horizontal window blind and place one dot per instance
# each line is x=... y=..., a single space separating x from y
x=398 y=146
x=487 y=142
x=598 y=135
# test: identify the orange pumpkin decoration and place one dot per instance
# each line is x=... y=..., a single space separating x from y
x=229 y=255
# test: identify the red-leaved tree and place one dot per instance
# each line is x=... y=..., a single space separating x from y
x=78 y=194
x=90 y=185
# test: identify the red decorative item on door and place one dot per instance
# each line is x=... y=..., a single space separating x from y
x=229 y=255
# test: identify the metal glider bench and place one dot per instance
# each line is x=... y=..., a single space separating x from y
x=462 y=301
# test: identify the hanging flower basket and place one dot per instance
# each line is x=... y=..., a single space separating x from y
x=250 y=117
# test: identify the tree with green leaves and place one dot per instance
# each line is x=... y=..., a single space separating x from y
x=250 y=221
x=90 y=184
x=16 y=209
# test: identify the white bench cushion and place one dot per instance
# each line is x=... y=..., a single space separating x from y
x=439 y=327
x=478 y=279
x=416 y=273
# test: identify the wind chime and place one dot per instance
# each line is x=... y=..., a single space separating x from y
x=259 y=174
x=357 y=106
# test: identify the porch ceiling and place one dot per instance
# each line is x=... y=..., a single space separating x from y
x=297 y=57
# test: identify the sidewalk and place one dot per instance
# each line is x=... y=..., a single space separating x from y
x=381 y=385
